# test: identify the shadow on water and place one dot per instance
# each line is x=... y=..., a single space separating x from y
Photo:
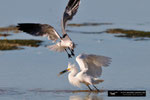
x=88 y=24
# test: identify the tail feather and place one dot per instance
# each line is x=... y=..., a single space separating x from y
x=56 y=48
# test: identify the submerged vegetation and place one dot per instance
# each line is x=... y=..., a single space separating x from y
x=129 y=33
x=87 y=24
x=19 y=43
x=10 y=28
x=16 y=44
x=83 y=32
x=4 y=35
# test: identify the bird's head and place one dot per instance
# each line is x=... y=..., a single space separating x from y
x=72 y=45
x=69 y=69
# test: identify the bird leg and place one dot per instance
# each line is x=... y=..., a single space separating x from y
x=69 y=55
x=89 y=87
x=72 y=52
x=96 y=88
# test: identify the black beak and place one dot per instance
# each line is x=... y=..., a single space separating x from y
x=62 y=72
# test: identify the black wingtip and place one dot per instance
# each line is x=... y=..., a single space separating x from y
x=29 y=27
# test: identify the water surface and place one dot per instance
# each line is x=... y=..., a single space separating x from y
x=36 y=68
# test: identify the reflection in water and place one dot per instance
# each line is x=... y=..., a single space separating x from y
x=87 y=97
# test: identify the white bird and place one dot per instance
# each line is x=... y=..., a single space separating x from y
x=65 y=42
x=90 y=70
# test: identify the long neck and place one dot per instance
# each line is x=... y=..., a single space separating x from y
x=63 y=26
x=72 y=77
x=73 y=72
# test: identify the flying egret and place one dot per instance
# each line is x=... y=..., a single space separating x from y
x=90 y=69
x=65 y=42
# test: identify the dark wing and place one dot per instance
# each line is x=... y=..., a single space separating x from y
x=70 y=11
x=36 y=29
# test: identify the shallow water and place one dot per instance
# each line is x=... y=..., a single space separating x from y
x=22 y=71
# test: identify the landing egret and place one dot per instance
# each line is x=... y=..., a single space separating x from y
x=65 y=42
x=90 y=69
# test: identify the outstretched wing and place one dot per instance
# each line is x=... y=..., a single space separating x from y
x=39 y=30
x=92 y=64
x=70 y=11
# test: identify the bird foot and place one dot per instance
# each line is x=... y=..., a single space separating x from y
x=89 y=87
x=91 y=90
x=97 y=90
x=69 y=56
x=72 y=54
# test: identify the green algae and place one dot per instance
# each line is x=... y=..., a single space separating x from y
x=18 y=44
x=129 y=33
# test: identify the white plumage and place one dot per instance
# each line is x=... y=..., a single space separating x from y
x=57 y=47
x=63 y=45
x=90 y=70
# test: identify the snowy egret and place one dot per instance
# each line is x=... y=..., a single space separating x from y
x=90 y=66
x=65 y=42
